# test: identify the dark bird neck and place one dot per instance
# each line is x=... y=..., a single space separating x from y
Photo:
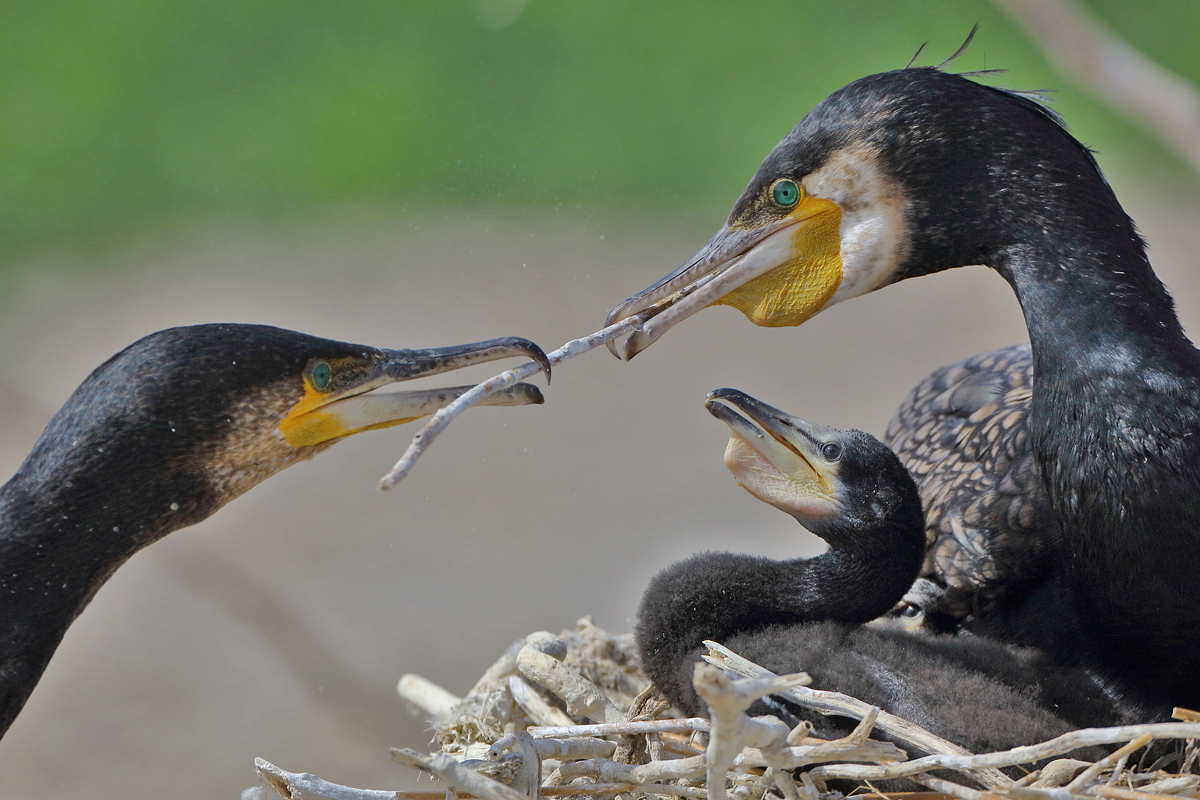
x=715 y=595
x=1114 y=418
x=77 y=509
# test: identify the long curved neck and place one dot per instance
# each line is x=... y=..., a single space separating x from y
x=1114 y=418
x=715 y=595
x=64 y=530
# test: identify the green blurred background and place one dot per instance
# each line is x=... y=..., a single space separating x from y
x=134 y=115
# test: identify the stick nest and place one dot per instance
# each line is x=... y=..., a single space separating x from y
x=572 y=715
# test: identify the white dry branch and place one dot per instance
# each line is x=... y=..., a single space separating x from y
x=732 y=730
x=625 y=728
x=438 y=422
x=455 y=774
x=581 y=695
x=825 y=702
x=303 y=786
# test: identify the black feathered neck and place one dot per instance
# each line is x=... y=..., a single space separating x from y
x=119 y=466
x=877 y=545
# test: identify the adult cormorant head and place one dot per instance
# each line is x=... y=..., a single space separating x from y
x=896 y=175
x=166 y=432
x=184 y=420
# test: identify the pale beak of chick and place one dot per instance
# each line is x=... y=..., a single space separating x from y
x=777 y=457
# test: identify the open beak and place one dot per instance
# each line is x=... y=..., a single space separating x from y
x=780 y=273
x=320 y=417
x=777 y=457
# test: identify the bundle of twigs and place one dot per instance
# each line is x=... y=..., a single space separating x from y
x=572 y=715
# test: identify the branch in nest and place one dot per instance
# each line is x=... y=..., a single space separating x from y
x=581 y=695
x=454 y=774
x=732 y=730
x=624 y=728
x=838 y=703
x=303 y=786
x=1087 y=737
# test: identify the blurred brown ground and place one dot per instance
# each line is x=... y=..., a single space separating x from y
x=279 y=627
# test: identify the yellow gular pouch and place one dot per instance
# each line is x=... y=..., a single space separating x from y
x=796 y=290
x=311 y=422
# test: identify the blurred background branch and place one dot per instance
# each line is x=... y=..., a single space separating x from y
x=1162 y=103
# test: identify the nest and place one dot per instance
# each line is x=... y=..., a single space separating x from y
x=572 y=715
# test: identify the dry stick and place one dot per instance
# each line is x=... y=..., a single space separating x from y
x=303 y=786
x=1117 y=793
x=555 y=791
x=623 y=728
x=430 y=698
x=837 y=703
x=534 y=705
x=581 y=695
x=439 y=421
x=1087 y=737
x=948 y=787
x=1089 y=774
x=454 y=774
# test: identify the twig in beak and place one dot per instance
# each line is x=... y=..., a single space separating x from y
x=425 y=437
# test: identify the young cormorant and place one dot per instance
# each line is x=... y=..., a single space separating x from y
x=808 y=614
x=913 y=171
x=169 y=430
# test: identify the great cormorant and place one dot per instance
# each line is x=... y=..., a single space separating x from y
x=909 y=172
x=169 y=430
x=809 y=614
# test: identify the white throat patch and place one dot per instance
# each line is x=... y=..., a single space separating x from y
x=874 y=231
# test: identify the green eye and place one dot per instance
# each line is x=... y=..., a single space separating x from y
x=785 y=193
x=321 y=376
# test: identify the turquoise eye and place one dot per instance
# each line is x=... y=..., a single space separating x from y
x=321 y=376
x=785 y=193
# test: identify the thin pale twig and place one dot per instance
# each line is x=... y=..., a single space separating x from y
x=623 y=728
x=438 y=422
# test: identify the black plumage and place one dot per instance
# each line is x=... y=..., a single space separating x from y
x=166 y=432
x=810 y=614
x=927 y=171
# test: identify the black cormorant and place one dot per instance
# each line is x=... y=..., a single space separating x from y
x=909 y=172
x=169 y=430
x=809 y=614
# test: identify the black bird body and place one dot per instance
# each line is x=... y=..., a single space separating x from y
x=927 y=171
x=162 y=435
x=810 y=614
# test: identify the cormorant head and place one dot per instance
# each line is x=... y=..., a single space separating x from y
x=895 y=175
x=186 y=419
x=841 y=485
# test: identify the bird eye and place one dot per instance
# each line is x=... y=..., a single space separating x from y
x=831 y=451
x=785 y=193
x=320 y=376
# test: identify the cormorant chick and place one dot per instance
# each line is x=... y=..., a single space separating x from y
x=809 y=614
x=910 y=172
x=169 y=430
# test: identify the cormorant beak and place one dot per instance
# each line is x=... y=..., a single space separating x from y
x=349 y=409
x=777 y=457
x=778 y=273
